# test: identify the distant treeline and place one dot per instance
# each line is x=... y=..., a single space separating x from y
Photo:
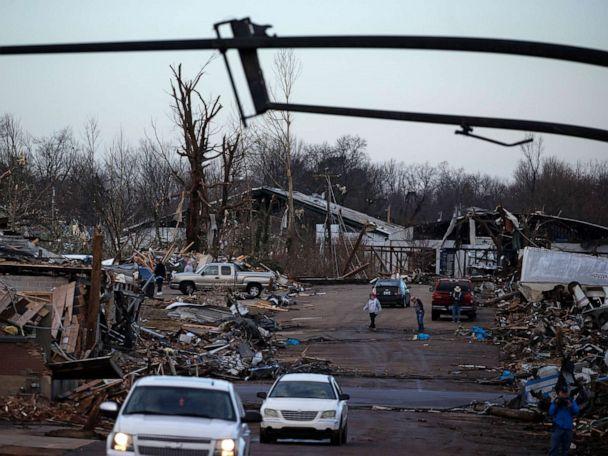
x=48 y=183
x=420 y=192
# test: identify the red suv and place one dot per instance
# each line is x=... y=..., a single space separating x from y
x=442 y=298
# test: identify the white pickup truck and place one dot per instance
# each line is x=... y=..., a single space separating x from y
x=225 y=275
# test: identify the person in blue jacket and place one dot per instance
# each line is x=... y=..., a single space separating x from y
x=562 y=410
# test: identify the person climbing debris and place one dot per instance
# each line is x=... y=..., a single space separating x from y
x=562 y=410
x=160 y=271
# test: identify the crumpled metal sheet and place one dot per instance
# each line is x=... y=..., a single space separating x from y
x=542 y=266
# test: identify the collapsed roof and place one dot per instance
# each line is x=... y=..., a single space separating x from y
x=513 y=231
x=20 y=248
x=352 y=218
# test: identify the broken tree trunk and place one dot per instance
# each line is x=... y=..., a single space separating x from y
x=516 y=414
x=93 y=417
x=355 y=271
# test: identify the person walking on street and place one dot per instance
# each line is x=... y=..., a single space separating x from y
x=419 y=308
x=373 y=307
x=562 y=410
x=159 y=276
x=457 y=298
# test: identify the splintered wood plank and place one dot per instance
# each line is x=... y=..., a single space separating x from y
x=32 y=309
x=40 y=294
x=5 y=300
x=41 y=314
x=74 y=335
x=69 y=301
x=59 y=295
x=69 y=336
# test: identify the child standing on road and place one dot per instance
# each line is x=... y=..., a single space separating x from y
x=374 y=308
x=419 y=308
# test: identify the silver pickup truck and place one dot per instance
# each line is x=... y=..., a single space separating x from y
x=224 y=275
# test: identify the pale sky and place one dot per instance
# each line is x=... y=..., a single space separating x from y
x=129 y=90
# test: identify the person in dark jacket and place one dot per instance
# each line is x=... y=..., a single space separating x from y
x=562 y=410
x=419 y=308
x=457 y=298
x=159 y=276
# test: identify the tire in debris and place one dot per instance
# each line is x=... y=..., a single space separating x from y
x=254 y=290
x=187 y=288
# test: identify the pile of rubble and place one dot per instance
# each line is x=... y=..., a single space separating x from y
x=92 y=331
x=557 y=333
x=215 y=335
x=60 y=311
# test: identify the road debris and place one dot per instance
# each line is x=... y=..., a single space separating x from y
x=201 y=335
x=556 y=333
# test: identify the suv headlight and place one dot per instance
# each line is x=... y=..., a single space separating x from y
x=122 y=442
x=225 y=447
x=271 y=413
x=328 y=414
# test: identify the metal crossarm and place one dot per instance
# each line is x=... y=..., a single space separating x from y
x=249 y=37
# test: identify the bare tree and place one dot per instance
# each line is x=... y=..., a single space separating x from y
x=194 y=115
x=81 y=184
x=416 y=189
x=116 y=198
x=52 y=163
x=277 y=134
x=213 y=158
x=18 y=192
x=160 y=189
x=529 y=168
x=228 y=169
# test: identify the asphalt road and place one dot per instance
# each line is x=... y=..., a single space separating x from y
x=387 y=368
x=394 y=397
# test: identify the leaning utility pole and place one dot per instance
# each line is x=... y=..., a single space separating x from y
x=328 y=218
x=328 y=198
x=95 y=291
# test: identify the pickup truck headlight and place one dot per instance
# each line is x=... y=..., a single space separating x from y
x=225 y=447
x=271 y=413
x=328 y=414
x=122 y=442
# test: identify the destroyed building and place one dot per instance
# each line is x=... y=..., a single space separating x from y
x=480 y=241
x=475 y=241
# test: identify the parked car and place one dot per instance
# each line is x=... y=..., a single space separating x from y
x=442 y=298
x=226 y=275
x=180 y=415
x=309 y=406
x=392 y=292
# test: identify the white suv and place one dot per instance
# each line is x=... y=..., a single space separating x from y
x=309 y=406
x=179 y=415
